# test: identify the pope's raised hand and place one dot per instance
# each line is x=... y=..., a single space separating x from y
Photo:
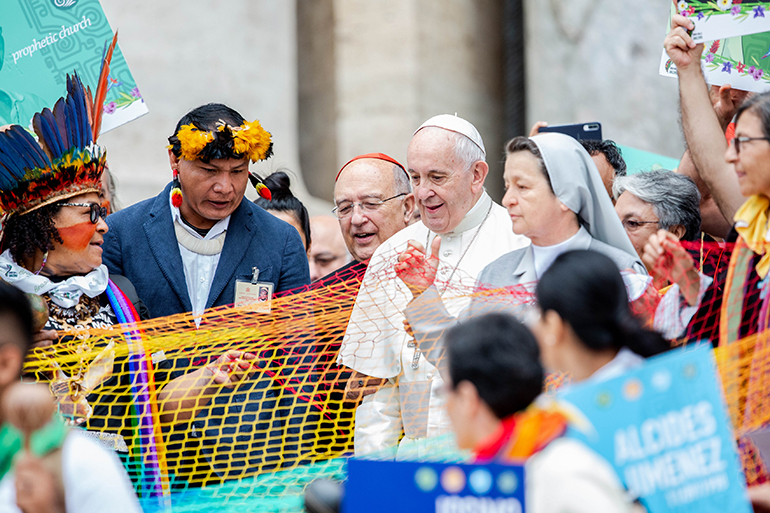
x=417 y=269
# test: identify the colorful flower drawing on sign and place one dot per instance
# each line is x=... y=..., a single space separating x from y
x=741 y=62
x=51 y=39
x=724 y=5
x=719 y=19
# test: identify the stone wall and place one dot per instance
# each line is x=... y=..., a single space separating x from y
x=597 y=60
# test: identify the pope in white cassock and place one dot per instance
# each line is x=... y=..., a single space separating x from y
x=447 y=167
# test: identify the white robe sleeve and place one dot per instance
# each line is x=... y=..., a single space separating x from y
x=378 y=422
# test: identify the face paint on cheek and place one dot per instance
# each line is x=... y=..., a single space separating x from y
x=78 y=236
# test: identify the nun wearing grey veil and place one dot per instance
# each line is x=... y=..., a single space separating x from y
x=556 y=197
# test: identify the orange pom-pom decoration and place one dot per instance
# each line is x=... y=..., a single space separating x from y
x=263 y=191
x=176 y=197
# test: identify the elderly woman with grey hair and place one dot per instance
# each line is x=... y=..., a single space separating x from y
x=657 y=200
x=658 y=209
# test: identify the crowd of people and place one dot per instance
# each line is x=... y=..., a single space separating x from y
x=461 y=305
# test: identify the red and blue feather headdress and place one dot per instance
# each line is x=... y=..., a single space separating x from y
x=64 y=161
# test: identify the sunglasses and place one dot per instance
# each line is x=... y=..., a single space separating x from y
x=96 y=211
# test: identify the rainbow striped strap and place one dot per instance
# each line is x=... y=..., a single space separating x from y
x=147 y=432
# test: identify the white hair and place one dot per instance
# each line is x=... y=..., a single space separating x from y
x=467 y=151
x=401 y=183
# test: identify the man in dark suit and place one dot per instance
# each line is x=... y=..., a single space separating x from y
x=184 y=249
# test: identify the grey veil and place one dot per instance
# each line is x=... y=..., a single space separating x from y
x=577 y=184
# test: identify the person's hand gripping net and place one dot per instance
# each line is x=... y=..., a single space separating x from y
x=231 y=368
x=417 y=269
x=668 y=262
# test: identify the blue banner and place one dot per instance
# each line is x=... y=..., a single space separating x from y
x=665 y=429
x=391 y=486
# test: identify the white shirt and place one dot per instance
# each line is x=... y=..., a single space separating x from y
x=569 y=477
x=199 y=270
x=375 y=342
x=375 y=337
x=545 y=255
x=673 y=314
x=94 y=480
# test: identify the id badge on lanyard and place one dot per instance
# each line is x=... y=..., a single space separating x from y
x=257 y=295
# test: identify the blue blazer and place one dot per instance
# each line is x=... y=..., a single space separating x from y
x=141 y=245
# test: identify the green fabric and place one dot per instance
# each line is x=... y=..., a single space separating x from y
x=276 y=492
x=10 y=443
x=734 y=296
x=44 y=440
x=638 y=161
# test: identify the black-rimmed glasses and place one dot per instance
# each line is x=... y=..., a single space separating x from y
x=737 y=141
x=631 y=225
x=96 y=210
x=345 y=210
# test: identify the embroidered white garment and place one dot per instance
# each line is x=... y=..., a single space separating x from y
x=199 y=269
x=65 y=293
x=673 y=314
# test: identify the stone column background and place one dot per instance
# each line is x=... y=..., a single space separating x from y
x=375 y=70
